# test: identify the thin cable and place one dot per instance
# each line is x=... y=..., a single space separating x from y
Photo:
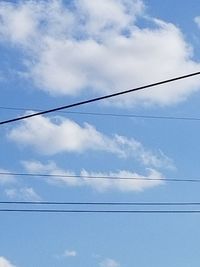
x=99 y=98
x=98 y=211
x=101 y=203
x=109 y=114
x=100 y=177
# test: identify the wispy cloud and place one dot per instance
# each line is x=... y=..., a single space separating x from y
x=25 y=193
x=109 y=263
x=101 y=185
x=69 y=253
x=72 y=137
x=123 y=185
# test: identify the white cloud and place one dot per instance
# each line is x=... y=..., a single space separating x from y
x=70 y=253
x=25 y=193
x=123 y=185
x=105 y=16
x=100 y=185
x=5 y=263
x=96 y=46
x=22 y=23
x=133 y=148
x=143 y=58
x=51 y=168
x=6 y=179
x=109 y=263
x=18 y=22
x=60 y=135
x=67 y=254
x=64 y=135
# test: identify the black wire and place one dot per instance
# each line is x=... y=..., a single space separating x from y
x=99 y=98
x=97 y=211
x=102 y=203
x=100 y=177
x=109 y=114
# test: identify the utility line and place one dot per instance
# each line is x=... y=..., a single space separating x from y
x=99 y=98
x=99 y=177
x=100 y=203
x=110 y=114
x=99 y=211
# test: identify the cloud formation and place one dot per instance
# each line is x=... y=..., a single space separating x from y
x=5 y=263
x=100 y=185
x=97 y=47
x=25 y=193
x=59 y=134
x=109 y=263
x=70 y=253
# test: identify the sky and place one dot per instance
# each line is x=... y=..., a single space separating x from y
x=56 y=53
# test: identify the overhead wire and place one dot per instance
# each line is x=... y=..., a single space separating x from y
x=98 y=98
x=99 y=204
x=99 y=177
x=62 y=203
x=103 y=114
x=99 y=211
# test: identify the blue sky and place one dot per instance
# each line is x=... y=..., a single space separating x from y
x=57 y=52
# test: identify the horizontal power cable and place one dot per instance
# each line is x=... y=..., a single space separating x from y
x=99 y=211
x=99 y=177
x=99 y=98
x=100 y=203
x=103 y=114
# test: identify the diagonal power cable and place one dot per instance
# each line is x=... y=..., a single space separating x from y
x=99 y=98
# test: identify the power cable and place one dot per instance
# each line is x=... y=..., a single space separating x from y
x=101 y=203
x=99 y=211
x=109 y=114
x=99 y=177
x=99 y=98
